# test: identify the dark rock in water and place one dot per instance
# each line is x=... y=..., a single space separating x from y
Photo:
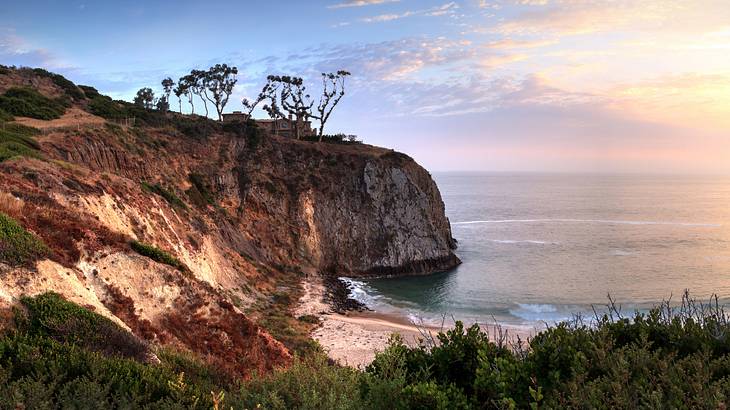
x=337 y=295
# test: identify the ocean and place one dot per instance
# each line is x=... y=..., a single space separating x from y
x=540 y=248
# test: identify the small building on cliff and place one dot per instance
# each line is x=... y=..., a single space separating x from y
x=283 y=127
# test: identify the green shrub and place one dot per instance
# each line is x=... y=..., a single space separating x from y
x=168 y=195
x=199 y=128
x=335 y=138
x=16 y=140
x=19 y=247
x=27 y=102
x=89 y=91
x=199 y=193
x=49 y=315
x=667 y=358
x=65 y=84
x=308 y=384
x=105 y=107
x=157 y=255
x=40 y=372
x=5 y=116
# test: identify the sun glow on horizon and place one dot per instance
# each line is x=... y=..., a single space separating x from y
x=621 y=85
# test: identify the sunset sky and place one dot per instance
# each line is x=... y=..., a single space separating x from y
x=512 y=85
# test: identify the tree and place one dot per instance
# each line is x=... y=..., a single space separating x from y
x=268 y=92
x=333 y=89
x=185 y=85
x=179 y=91
x=197 y=81
x=162 y=104
x=167 y=85
x=145 y=98
x=295 y=100
x=220 y=80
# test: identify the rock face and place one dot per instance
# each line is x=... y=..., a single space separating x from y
x=350 y=210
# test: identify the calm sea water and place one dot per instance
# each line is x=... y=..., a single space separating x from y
x=538 y=248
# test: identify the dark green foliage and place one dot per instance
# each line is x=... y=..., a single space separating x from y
x=5 y=116
x=19 y=247
x=64 y=356
x=200 y=193
x=21 y=130
x=49 y=315
x=335 y=139
x=105 y=107
x=27 y=102
x=65 y=84
x=16 y=140
x=89 y=91
x=308 y=384
x=664 y=359
x=169 y=196
x=4 y=70
x=309 y=319
x=198 y=128
x=157 y=255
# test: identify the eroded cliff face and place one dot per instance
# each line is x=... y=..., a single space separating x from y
x=349 y=210
x=246 y=216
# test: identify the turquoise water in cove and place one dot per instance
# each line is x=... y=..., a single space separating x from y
x=539 y=248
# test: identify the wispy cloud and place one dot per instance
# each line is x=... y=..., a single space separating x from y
x=359 y=3
x=444 y=9
x=509 y=44
x=16 y=50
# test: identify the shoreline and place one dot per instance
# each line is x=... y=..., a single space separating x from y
x=354 y=337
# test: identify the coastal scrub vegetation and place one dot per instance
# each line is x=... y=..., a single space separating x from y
x=670 y=357
x=17 y=140
x=18 y=247
x=167 y=194
x=157 y=255
x=27 y=102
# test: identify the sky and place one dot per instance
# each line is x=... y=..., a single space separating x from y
x=472 y=85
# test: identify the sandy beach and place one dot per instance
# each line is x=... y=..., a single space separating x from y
x=354 y=338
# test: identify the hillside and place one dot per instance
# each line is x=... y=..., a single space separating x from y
x=192 y=233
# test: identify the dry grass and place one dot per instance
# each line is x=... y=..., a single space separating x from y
x=11 y=205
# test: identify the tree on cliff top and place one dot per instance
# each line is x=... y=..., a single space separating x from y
x=196 y=82
x=219 y=80
x=185 y=87
x=268 y=92
x=167 y=85
x=333 y=89
x=295 y=100
x=145 y=98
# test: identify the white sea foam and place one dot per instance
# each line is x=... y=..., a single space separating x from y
x=538 y=308
x=596 y=221
x=361 y=292
x=541 y=313
x=511 y=241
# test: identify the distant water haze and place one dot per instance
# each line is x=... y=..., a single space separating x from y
x=539 y=248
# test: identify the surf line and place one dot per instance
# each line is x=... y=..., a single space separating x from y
x=597 y=221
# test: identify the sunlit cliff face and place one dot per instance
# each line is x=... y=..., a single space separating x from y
x=555 y=85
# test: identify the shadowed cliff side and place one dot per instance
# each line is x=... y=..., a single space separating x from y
x=348 y=209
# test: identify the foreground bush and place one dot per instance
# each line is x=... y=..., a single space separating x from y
x=63 y=356
x=668 y=358
x=59 y=357
x=18 y=247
